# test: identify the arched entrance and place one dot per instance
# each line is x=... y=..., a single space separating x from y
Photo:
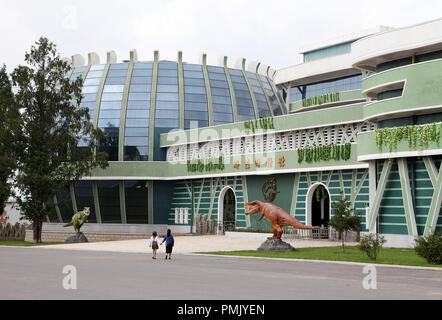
x=226 y=209
x=318 y=205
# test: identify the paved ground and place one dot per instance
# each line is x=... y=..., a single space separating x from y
x=35 y=273
x=186 y=244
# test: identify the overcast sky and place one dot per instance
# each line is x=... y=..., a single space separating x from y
x=269 y=31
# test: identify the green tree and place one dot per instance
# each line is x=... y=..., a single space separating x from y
x=9 y=129
x=53 y=123
x=343 y=218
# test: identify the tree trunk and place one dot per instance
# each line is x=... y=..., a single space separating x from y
x=37 y=228
x=343 y=235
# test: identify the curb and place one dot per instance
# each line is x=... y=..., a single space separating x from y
x=322 y=261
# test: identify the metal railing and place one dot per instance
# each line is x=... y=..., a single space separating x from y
x=291 y=233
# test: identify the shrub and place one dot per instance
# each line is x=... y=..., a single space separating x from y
x=430 y=248
x=343 y=219
x=371 y=245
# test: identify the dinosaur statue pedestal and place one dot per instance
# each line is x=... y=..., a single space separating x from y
x=275 y=245
x=77 y=238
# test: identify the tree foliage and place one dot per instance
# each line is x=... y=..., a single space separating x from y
x=371 y=244
x=430 y=248
x=53 y=123
x=343 y=218
x=9 y=129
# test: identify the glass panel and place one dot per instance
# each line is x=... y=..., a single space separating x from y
x=135 y=153
x=109 y=198
x=166 y=123
x=144 y=65
x=113 y=88
x=139 y=96
x=136 y=192
x=116 y=80
x=167 y=73
x=141 y=80
x=140 y=88
x=65 y=204
x=97 y=67
x=167 y=88
x=119 y=66
x=137 y=132
x=142 y=73
x=85 y=198
x=136 y=141
x=137 y=104
x=326 y=87
x=116 y=73
x=167 y=96
x=192 y=67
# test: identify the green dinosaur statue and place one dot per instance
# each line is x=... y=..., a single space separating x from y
x=78 y=219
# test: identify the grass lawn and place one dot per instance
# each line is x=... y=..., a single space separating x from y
x=406 y=257
x=20 y=243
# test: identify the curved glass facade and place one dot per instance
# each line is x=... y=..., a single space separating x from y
x=221 y=99
x=105 y=86
x=110 y=109
x=136 y=133
x=276 y=107
x=244 y=103
x=261 y=101
x=196 y=112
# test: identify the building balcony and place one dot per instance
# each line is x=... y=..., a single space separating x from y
x=368 y=150
x=345 y=98
x=421 y=83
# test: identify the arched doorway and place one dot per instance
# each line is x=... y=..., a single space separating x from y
x=318 y=206
x=226 y=209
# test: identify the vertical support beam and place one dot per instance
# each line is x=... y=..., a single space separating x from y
x=295 y=194
x=287 y=99
x=121 y=134
x=153 y=98
x=231 y=89
x=123 y=203
x=96 y=201
x=111 y=58
x=181 y=88
x=330 y=174
x=434 y=210
x=406 y=197
x=309 y=179
x=431 y=169
x=263 y=89
x=374 y=209
x=276 y=92
x=361 y=183
x=372 y=178
x=252 y=94
x=57 y=209
x=150 y=216
x=246 y=198
x=74 y=201
x=208 y=90
x=354 y=175
x=341 y=183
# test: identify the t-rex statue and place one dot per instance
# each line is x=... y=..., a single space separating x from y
x=78 y=219
x=276 y=216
